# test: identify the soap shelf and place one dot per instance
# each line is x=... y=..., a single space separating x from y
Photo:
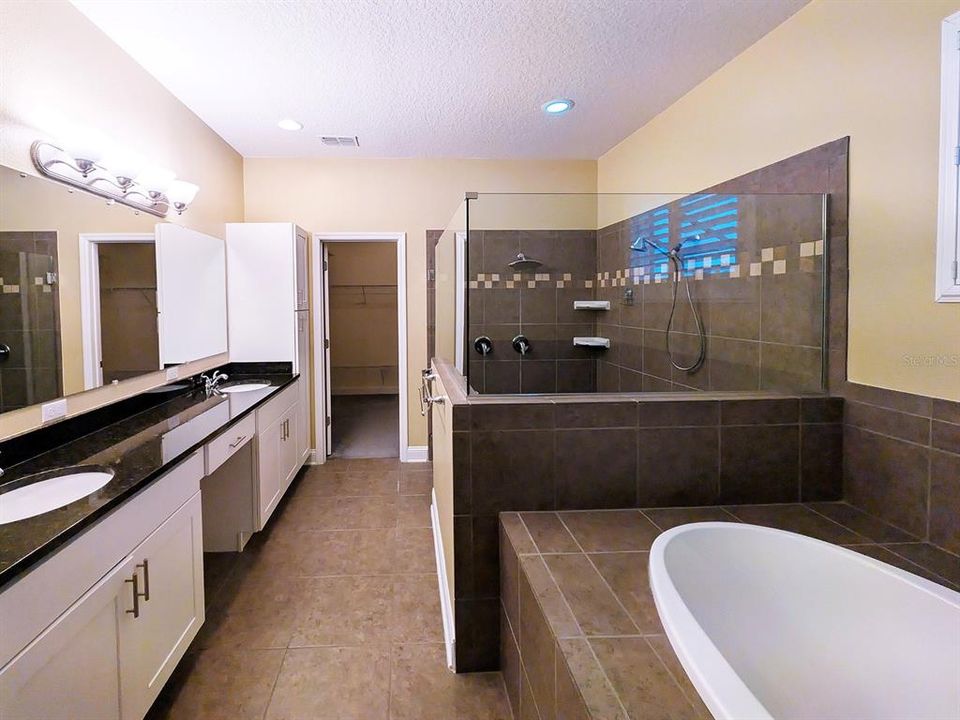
x=591 y=304
x=597 y=342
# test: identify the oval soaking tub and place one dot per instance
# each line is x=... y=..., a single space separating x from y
x=773 y=625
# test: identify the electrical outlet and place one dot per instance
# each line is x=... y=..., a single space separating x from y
x=173 y=373
x=53 y=410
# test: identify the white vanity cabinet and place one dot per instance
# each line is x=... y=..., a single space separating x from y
x=76 y=642
x=278 y=453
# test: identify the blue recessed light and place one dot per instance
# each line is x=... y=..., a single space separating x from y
x=557 y=107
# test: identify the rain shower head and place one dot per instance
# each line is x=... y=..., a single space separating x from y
x=524 y=263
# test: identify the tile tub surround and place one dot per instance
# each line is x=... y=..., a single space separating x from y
x=580 y=634
x=332 y=611
x=902 y=461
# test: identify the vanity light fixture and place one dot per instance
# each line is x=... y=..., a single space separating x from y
x=557 y=107
x=117 y=176
x=290 y=124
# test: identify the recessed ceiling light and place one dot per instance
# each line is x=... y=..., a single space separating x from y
x=557 y=107
x=288 y=124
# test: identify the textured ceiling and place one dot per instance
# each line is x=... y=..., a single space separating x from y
x=432 y=78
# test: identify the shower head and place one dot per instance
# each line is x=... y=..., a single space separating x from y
x=524 y=263
x=641 y=244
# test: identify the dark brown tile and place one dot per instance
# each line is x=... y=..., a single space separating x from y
x=580 y=483
x=946 y=436
x=883 y=554
x=610 y=530
x=888 y=478
x=500 y=378
x=478 y=633
x=675 y=413
x=791 y=308
x=538 y=305
x=510 y=663
x=821 y=410
x=549 y=534
x=798 y=519
x=945 y=565
x=596 y=414
x=627 y=575
x=504 y=454
x=576 y=376
x=734 y=364
x=945 y=500
x=760 y=412
x=790 y=368
x=821 y=462
x=463 y=557
x=946 y=410
x=888 y=422
x=511 y=416
x=528 y=706
x=678 y=466
x=872 y=528
x=890 y=399
x=640 y=679
x=486 y=569
x=661 y=646
x=666 y=518
x=537 y=651
x=592 y=688
x=536 y=578
x=538 y=377
x=761 y=465
x=509 y=580
x=501 y=306
x=517 y=531
x=462 y=487
x=593 y=604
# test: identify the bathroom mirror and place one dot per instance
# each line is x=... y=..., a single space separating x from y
x=93 y=293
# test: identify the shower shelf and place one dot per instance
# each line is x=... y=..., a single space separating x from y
x=597 y=342
x=591 y=304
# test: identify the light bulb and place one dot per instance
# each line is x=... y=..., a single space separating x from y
x=155 y=180
x=181 y=193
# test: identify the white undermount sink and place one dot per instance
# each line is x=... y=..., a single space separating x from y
x=243 y=387
x=62 y=487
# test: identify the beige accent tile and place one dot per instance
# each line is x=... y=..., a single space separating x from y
x=517 y=276
x=588 y=283
x=422 y=688
x=734 y=271
x=531 y=283
x=766 y=254
x=495 y=277
x=818 y=247
x=568 y=276
x=511 y=284
x=332 y=683
x=807 y=249
x=481 y=276
x=779 y=267
x=488 y=284
x=474 y=285
x=560 y=283
x=221 y=685
x=755 y=269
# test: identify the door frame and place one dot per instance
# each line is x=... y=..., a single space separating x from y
x=91 y=341
x=320 y=239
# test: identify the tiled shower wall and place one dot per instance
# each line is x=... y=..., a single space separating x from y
x=504 y=303
x=29 y=319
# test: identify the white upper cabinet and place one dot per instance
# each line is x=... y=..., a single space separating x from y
x=191 y=294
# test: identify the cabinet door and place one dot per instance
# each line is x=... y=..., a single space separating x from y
x=303 y=424
x=289 y=450
x=70 y=671
x=269 y=479
x=168 y=566
x=300 y=258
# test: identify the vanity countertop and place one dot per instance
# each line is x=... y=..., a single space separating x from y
x=139 y=449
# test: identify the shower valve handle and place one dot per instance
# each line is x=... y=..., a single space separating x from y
x=521 y=345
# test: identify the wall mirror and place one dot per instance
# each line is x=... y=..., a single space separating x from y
x=93 y=293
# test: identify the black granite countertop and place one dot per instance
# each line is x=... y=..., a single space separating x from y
x=138 y=448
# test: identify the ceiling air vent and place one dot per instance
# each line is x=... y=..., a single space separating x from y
x=340 y=140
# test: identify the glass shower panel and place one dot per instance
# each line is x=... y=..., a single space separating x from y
x=446 y=280
x=589 y=293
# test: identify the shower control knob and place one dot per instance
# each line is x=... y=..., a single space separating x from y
x=521 y=345
x=4 y=352
x=483 y=345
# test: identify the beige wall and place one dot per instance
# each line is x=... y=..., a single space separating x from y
x=57 y=71
x=838 y=67
x=408 y=196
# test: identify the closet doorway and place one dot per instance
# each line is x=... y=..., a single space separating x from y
x=362 y=353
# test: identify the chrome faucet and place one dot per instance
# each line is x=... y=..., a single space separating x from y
x=211 y=384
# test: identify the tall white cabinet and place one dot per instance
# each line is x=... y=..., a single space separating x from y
x=268 y=299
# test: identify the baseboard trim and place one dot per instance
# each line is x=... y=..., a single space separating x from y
x=446 y=605
x=416 y=453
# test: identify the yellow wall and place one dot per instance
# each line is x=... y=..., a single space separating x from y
x=411 y=196
x=58 y=71
x=838 y=67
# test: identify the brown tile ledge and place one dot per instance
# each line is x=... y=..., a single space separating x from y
x=579 y=633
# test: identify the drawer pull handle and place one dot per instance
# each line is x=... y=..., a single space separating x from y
x=239 y=441
x=146 y=579
x=136 y=596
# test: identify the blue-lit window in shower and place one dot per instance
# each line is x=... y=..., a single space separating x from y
x=709 y=232
x=654 y=226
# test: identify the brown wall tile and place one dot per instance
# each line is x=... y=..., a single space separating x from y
x=596 y=468
x=945 y=500
x=678 y=466
x=761 y=465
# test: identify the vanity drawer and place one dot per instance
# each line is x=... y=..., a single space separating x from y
x=229 y=441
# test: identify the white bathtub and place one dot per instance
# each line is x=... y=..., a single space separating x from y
x=770 y=624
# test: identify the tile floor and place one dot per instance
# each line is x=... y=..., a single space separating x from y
x=331 y=612
x=366 y=426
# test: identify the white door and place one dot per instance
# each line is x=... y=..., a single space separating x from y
x=71 y=671
x=305 y=399
x=327 y=400
x=168 y=567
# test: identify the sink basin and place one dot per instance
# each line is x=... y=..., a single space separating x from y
x=243 y=387
x=51 y=490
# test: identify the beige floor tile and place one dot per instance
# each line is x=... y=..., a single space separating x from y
x=420 y=483
x=339 y=513
x=220 y=685
x=415 y=552
x=416 y=609
x=342 y=611
x=332 y=684
x=422 y=688
x=348 y=552
x=350 y=484
x=413 y=511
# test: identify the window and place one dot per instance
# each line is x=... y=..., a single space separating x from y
x=948 y=238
